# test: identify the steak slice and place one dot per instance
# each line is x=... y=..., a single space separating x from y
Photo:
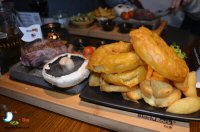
x=37 y=54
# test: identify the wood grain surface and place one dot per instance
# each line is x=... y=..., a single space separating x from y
x=41 y=120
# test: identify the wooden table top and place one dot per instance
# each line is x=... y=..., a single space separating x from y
x=42 y=120
x=37 y=119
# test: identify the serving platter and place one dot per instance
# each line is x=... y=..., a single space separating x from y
x=34 y=77
x=151 y=24
x=115 y=100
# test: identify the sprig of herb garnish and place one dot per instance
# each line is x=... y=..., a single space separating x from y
x=178 y=51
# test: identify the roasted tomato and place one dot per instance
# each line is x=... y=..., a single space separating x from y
x=88 y=51
x=130 y=14
x=125 y=16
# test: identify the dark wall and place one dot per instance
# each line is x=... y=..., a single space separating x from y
x=21 y=5
x=71 y=7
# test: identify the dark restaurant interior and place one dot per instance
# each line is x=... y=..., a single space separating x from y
x=100 y=65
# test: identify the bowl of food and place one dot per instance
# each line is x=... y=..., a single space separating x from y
x=101 y=20
x=82 y=20
x=125 y=27
x=104 y=13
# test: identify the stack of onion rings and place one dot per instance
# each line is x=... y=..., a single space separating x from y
x=114 y=58
x=128 y=78
x=147 y=69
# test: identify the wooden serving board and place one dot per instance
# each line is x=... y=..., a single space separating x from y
x=96 y=32
x=73 y=107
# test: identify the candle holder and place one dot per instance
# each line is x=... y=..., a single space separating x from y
x=51 y=31
x=54 y=31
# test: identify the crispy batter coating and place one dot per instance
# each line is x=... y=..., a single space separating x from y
x=128 y=78
x=156 y=53
x=106 y=87
x=114 y=58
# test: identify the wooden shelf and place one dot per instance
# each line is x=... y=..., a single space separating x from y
x=97 y=32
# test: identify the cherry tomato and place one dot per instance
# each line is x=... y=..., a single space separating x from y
x=131 y=14
x=125 y=16
x=88 y=50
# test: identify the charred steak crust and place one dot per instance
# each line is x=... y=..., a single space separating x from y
x=37 y=54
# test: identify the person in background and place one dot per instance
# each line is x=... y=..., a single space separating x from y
x=180 y=9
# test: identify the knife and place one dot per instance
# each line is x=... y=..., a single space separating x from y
x=198 y=70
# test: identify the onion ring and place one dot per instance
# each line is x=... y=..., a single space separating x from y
x=156 y=53
x=114 y=58
x=104 y=86
x=128 y=78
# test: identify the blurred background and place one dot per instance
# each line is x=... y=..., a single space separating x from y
x=71 y=7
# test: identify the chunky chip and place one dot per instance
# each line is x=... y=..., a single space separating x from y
x=186 y=105
x=192 y=90
x=94 y=80
x=134 y=94
x=161 y=89
x=167 y=101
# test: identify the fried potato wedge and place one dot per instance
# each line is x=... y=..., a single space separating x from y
x=151 y=101
x=167 y=101
x=134 y=94
x=94 y=80
x=129 y=78
x=125 y=96
x=192 y=80
x=183 y=86
x=161 y=89
x=186 y=105
x=146 y=89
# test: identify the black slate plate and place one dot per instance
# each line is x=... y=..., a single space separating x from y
x=34 y=77
x=115 y=100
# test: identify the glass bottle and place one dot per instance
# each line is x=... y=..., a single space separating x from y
x=10 y=40
x=40 y=6
x=7 y=20
x=62 y=18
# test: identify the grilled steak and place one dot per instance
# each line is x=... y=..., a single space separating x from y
x=37 y=54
